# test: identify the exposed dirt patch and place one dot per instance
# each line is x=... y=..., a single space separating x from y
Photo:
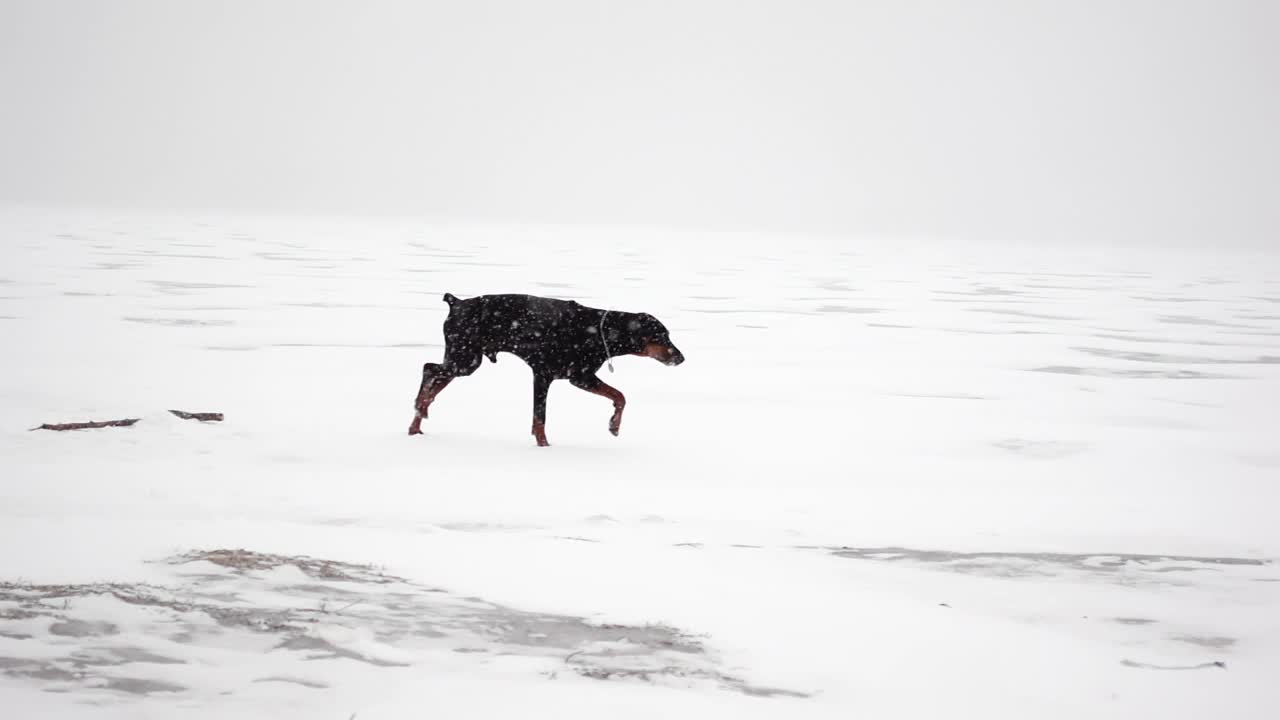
x=243 y=561
x=140 y=639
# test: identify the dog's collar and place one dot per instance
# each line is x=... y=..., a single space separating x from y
x=608 y=359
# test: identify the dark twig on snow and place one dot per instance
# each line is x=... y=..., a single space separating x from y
x=88 y=425
x=1152 y=666
x=201 y=416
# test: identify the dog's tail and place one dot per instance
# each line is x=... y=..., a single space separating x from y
x=449 y=298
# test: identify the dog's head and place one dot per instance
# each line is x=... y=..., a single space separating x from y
x=644 y=335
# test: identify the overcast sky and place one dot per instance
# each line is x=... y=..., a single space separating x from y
x=1104 y=119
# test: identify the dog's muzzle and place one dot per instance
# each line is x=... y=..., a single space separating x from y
x=665 y=354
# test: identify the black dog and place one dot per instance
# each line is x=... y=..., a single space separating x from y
x=559 y=339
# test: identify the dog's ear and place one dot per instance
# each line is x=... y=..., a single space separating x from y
x=647 y=324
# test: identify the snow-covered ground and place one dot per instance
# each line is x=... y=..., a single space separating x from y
x=893 y=479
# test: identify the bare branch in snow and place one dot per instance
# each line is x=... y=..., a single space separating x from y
x=88 y=425
x=126 y=422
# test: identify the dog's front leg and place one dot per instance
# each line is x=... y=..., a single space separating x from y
x=593 y=384
x=541 y=386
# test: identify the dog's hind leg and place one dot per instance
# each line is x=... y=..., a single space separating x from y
x=436 y=377
x=433 y=381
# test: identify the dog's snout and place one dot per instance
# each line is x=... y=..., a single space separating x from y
x=677 y=357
